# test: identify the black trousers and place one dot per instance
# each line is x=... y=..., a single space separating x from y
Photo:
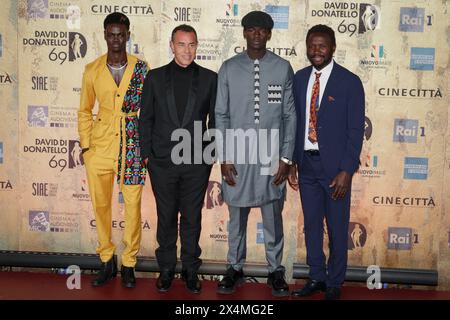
x=179 y=189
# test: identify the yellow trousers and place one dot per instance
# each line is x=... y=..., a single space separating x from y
x=101 y=174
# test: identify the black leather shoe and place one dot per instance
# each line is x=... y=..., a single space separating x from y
x=164 y=280
x=231 y=281
x=333 y=293
x=128 y=279
x=193 y=283
x=279 y=286
x=108 y=270
x=310 y=287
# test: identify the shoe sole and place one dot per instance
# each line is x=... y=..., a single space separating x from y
x=129 y=285
x=238 y=283
x=163 y=290
x=106 y=281
x=194 y=292
x=308 y=295
x=280 y=294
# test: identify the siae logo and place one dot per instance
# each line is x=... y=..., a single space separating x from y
x=182 y=14
x=44 y=189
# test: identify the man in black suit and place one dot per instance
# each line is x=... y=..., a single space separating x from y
x=177 y=101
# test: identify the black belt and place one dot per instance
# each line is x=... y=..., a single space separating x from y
x=312 y=152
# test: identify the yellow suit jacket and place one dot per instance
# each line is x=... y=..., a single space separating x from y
x=102 y=135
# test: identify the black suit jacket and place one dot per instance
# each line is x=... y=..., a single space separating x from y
x=158 y=115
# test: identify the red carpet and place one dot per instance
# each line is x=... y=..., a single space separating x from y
x=46 y=286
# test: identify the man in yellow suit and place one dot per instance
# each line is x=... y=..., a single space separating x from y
x=111 y=147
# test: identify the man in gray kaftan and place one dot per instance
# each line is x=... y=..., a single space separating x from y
x=255 y=115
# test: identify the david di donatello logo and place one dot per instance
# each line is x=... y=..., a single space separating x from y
x=213 y=197
x=357 y=235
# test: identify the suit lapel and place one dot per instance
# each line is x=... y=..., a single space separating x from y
x=191 y=96
x=332 y=83
x=126 y=78
x=303 y=92
x=171 y=96
x=105 y=76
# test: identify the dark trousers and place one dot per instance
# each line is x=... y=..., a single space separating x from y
x=181 y=189
x=317 y=204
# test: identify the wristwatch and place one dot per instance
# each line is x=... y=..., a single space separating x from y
x=287 y=161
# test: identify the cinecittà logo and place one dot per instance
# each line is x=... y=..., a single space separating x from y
x=409 y=92
x=132 y=10
x=398 y=201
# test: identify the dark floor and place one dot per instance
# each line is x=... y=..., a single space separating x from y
x=47 y=286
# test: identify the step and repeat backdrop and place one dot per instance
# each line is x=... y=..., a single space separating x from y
x=400 y=214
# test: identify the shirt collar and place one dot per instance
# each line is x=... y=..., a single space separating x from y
x=326 y=70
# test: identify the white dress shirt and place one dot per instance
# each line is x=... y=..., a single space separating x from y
x=325 y=75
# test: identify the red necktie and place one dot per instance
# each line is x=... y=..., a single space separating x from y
x=313 y=108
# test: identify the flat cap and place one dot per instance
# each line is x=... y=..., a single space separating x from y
x=257 y=19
